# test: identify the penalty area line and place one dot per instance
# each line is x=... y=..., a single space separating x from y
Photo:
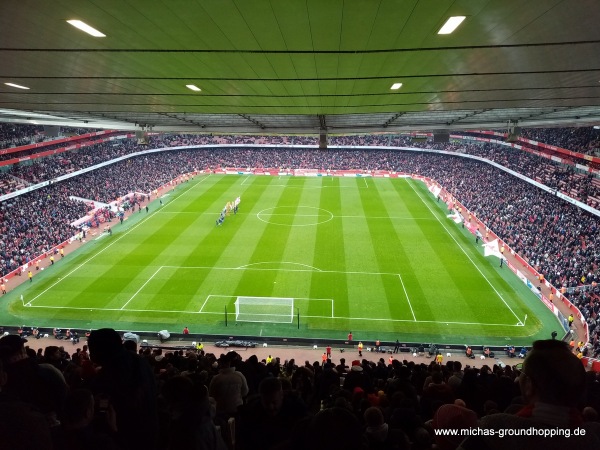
x=407 y=298
x=141 y=287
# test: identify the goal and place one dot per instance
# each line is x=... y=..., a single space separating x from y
x=264 y=309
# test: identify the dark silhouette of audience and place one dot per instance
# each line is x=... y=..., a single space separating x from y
x=126 y=399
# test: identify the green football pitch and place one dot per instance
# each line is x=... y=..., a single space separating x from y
x=375 y=256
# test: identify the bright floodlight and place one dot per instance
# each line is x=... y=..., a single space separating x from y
x=451 y=24
x=86 y=28
x=18 y=86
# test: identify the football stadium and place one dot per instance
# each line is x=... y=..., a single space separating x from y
x=301 y=257
x=196 y=197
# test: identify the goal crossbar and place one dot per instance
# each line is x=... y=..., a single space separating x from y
x=264 y=309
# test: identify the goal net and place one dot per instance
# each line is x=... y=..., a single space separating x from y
x=264 y=309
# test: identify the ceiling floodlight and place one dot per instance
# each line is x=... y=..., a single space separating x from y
x=396 y=86
x=451 y=24
x=193 y=87
x=86 y=28
x=18 y=86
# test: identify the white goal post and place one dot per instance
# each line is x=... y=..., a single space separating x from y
x=264 y=309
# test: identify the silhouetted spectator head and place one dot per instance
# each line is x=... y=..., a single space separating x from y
x=347 y=435
x=271 y=395
x=79 y=406
x=12 y=348
x=130 y=345
x=552 y=374
x=225 y=360
x=373 y=417
x=52 y=353
x=104 y=344
x=589 y=414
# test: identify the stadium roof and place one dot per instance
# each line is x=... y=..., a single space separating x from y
x=285 y=66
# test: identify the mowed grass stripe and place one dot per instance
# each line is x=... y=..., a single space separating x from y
x=395 y=203
x=302 y=247
x=329 y=254
x=366 y=294
x=385 y=242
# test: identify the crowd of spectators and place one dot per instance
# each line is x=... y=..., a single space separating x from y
x=109 y=394
x=550 y=173
x=14 y=135
x=563 y=178
x=584 y=140
x=32 y=224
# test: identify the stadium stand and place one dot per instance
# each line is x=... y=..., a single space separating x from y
x=567 y=259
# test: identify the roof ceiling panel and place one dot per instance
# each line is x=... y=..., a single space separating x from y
x=288 y=59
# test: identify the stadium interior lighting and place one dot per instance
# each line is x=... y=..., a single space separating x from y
x=451 y=24
x=86 y=28
x=396 y=86
x=193 y=87
x=18 y=86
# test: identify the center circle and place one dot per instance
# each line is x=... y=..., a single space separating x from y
x=295 y=216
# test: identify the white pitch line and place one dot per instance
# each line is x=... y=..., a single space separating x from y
x=162 y=311
x=205 y=300
x=245 y=179
x=295 y=298
x=141 y=287
x=335 y=216
x=282 y=270
x=466 y=254
x=280 y=262
x=407 y=299
x=166 y=311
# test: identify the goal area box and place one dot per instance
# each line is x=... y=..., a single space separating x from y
x=264 y=309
